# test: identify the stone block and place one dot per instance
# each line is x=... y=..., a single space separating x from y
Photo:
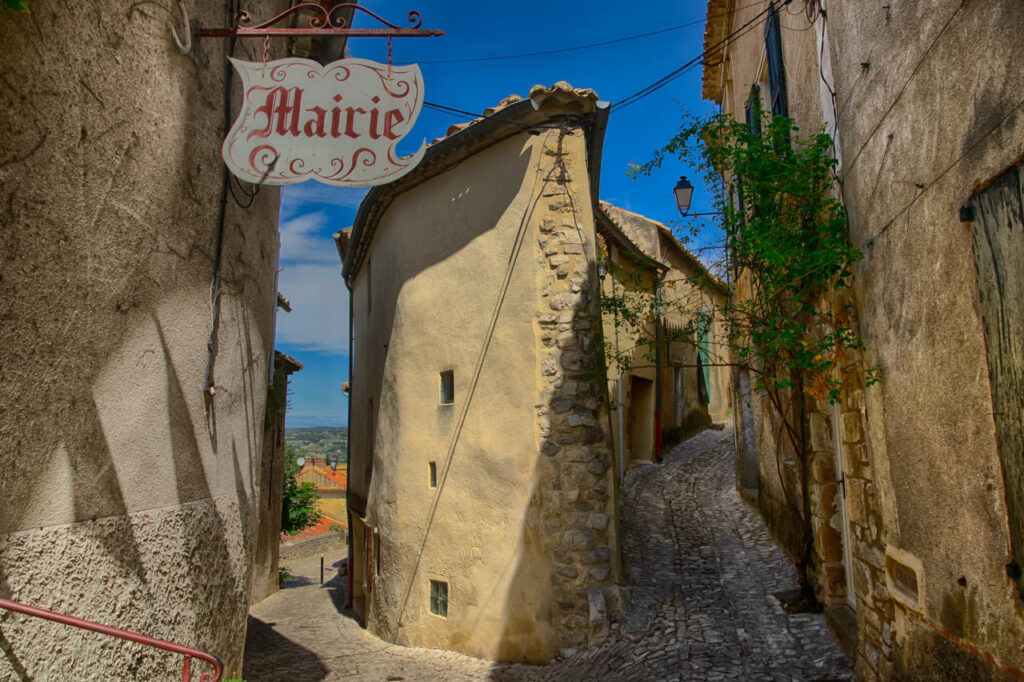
x=572 y=622
x=599 y=624
x=547 y=320
x=601 y=555
x=599 y=521
x=566 y=340
x=576 y=638
x=562 y=405
x=549 y=448
x=563 y=556
x=579 y=540
x=616 y=599
x=567 y=572
x=549 y=366
x=598 y=467
x=547 y=225
x=821 y=433
x=581 y=419
x=567 y=301
x=562 y=272
x=577 y=520
x=555 y=261
x=598 y=574
x=856 y=502
x=578 y=453
x=852 y=427
x=573 y=248
x=592 y=434
x=823 y=469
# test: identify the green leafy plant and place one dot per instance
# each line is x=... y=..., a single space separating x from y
x=14 y=6
x=787 y=256
x=300 y=504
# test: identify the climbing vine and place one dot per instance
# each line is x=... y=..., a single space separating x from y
x=786 y=256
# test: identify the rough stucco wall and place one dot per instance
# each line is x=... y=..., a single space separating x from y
x=125 y=497
x=269 y=501
x=431 y=309
x=930 y=423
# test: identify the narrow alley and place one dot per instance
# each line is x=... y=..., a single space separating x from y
x=702 y=572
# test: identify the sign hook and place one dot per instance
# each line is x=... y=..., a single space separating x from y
x=185 y=47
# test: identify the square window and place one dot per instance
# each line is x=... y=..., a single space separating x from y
x=439 y=598
x=448 y=387
x=433 y=474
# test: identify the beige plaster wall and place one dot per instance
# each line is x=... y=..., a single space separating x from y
x=929 y=107
x=125 y=496
x=940 y=107
x=494 y=526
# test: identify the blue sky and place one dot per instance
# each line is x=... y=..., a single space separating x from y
x=316 y=331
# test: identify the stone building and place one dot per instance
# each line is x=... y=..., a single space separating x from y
x=266 y=562
x=331 y=483
x=666 y=390
x=481 y=478
x=916 y=489
x=129 y=492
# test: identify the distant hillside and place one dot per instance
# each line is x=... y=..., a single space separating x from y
x=318 y=442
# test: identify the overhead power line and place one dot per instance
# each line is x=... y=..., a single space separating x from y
x=647 y=90
x=699 y=59
x=588 y=45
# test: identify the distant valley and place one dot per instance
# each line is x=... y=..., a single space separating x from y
x=318 y=442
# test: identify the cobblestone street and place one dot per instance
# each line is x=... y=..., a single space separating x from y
x=702 y=572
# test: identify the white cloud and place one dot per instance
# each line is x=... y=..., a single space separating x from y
x=294 y=198
x=319 y=317
x=300 y=241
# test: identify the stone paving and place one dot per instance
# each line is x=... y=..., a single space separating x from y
x=702 y=572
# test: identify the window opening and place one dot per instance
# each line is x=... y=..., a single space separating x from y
x=439 y=598
x=448 y=387
x=433 y=474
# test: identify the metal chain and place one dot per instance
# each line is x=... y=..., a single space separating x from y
x=389 y=56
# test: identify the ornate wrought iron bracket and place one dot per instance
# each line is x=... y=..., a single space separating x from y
x=323 y=22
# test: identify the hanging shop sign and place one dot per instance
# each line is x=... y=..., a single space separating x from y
x=339 y=123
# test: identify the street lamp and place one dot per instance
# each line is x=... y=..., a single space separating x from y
x=684 y=194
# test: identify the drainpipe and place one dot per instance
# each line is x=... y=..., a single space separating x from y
x=348 y=445
x=619 y=398
x=657 y=367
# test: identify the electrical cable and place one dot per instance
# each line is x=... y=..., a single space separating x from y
x=587 y=46
x=917 y=68
x=208 y=389
x=699 y=59
x=923 y=189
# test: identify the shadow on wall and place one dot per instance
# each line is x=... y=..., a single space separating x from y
x=448 y=221
x=554 y=482
x=186 y=549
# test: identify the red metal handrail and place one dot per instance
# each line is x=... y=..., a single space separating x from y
x=188 y=652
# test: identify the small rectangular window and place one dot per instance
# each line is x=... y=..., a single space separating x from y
x=448 y=387
x=439 y=598
x=433 y=474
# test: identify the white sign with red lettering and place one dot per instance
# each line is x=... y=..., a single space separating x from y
x=337 y=124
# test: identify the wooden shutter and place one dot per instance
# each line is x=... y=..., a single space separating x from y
x=776 y=70
x=753 y=109
x=998 y=227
